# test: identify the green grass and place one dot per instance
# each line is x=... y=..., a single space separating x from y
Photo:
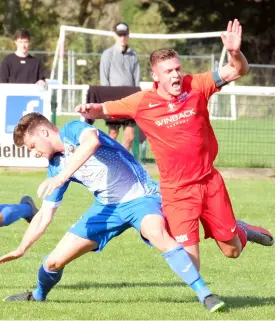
x=245 y=142
x=130 y=280
x=242 y=143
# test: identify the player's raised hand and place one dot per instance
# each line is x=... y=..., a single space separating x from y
x=83 y=108
x=13 y=255
x=91 y=110
x=48 y=186
x=231 y=38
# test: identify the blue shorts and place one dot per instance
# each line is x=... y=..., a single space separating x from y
x=103 y=222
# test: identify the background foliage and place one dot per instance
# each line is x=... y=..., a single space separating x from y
x=43 y=18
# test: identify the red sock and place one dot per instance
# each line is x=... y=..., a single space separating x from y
x=242 y=236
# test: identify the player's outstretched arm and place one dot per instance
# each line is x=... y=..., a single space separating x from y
x=238 y=65
x=35 y=230
x=89 y=142
x=92 y=110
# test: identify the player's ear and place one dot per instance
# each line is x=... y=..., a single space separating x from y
x=154 y=76
x=43 y=130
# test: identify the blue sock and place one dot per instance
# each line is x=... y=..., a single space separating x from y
x=181 y=263
x=13 y=212
x=45 y=282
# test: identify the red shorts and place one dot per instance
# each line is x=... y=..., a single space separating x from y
x=207 y=201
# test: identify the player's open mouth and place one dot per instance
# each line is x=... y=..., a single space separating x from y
x=176 y=85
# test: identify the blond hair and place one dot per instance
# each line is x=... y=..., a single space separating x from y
x=161 y=55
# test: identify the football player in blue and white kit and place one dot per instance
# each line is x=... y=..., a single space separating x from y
x=125 y=196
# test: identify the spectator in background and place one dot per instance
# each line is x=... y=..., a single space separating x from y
x=119 y=66
x=20 y=67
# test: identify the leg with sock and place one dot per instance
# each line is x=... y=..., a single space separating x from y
x=153 y=229
x=45 y=282
x=181 y=263
x=70 y=247
x=14 y=212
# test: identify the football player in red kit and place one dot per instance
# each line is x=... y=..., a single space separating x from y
x=174 y=117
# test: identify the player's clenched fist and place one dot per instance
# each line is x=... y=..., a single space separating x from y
x=83 y=108
x=91 y=110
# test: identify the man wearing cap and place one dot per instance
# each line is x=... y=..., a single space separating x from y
x=119 y=66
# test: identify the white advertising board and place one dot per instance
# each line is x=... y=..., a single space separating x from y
x=17 y=100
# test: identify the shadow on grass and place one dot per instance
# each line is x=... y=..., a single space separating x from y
x=12 y=287
x=118 y=285
x=86 y=285
x=247 y=301
x=232 y=302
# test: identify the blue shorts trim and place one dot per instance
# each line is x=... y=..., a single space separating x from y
x=103 y=222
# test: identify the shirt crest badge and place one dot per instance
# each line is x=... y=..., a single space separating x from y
x=71 y=148
x=171 y=107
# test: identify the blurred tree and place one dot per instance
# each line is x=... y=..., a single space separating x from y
x=12 y=11
x=140 y=16
x=43 y=18
x=160 y=16
x=256 y=16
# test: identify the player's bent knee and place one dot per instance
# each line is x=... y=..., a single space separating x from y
x=232 y=248
x=154 y=234
x=160 y=239
x=52 y=264
x=232 y=253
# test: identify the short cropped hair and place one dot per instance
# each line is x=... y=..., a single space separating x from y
x=22 y=33
x=161 y=55
x=28 y=124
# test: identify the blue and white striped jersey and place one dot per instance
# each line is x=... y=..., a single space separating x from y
x=111 y=173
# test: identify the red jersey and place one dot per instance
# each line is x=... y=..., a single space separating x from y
x=179 y=131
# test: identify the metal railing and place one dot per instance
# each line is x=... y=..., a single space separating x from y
x=83 y=68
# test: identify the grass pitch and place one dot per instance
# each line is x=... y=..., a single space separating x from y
x=130 y=280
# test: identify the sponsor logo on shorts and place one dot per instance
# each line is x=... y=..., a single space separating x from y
x=181 y=238
x=233 y=229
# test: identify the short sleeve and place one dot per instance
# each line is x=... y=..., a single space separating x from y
x=74 y=129
x=205 y=83
x=126 y=107
x=56 y=197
